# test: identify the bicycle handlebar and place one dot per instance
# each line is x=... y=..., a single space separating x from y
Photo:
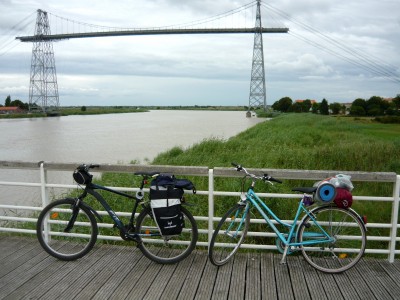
x=85 y=167
x=265 y=177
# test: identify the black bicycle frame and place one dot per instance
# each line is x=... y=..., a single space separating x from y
x=90 y=188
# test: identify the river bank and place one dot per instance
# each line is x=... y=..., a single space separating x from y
x=96 y=110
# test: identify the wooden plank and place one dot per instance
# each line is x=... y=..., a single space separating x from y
x=222 y=281
x=131 y=256
x=34 y=262
x=49 y=275
x=206 y=286
x=309 y=174
x=172 y=290
x=130 y=281
x=390 y=268
x=359 y=283
x=203 y=170
x=320 y=285
x=238 y=277
x=13 y=248
x=129 y=168
x=282 y=277
x=253 y=276
x=161 y=281
x=9 y=246
x=18 y=164
x=146 y=280
x=58 y=275
x=387 y=282
x=268 y=280
x=122 y=272
x=298 y=280
x=343 y=282
x=120 y=255
x=347 y=287
x=194 y=276
x=85 y=279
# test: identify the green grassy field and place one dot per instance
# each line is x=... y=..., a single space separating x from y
x=301 y=141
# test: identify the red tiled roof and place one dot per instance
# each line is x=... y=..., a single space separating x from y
x=9 y=108
x=312 y=101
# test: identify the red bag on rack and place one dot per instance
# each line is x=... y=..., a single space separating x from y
x=344 y=198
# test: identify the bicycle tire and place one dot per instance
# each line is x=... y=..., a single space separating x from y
x=165 y=249
x=348 y=231
x=219 y=252
x=66 y=245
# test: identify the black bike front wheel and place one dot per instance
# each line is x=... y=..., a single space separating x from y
x=165 y=249
x=62 y=242
x=229 y=234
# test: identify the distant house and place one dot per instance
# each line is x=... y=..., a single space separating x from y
x=301 y=101
x=10 y=110
x=390 y=100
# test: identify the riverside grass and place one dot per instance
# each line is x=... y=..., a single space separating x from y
x=291 y=141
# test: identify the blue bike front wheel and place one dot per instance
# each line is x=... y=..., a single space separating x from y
x=229 y=234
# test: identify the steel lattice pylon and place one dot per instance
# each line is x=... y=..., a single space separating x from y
x=257 y=98
x=43 y=88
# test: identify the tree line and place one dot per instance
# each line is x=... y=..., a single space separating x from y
x=374 y=106
x=16 y=103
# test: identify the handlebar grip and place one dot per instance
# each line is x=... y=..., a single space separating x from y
x=270 y=178
x=94 y=166
x=237 y=166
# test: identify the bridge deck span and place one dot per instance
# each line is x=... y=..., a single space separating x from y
x=64 y=36
x=119 y=272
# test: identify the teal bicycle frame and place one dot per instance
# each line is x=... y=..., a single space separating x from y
x=286 y=238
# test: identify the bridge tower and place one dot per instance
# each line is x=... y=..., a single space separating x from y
x=257 y=98
x=43 y=88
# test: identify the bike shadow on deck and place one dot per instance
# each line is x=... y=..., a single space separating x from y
x=118 y=272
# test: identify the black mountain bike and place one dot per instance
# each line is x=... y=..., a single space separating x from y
x=67 y=229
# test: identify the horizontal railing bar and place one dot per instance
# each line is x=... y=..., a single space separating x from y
x=203 y=171
x=310 y=174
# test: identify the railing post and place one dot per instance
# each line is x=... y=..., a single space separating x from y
x=45 y=200
x=210 y=204
x=43 y=182
x=395 y=214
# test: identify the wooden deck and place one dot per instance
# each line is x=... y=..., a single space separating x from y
x=114 y=272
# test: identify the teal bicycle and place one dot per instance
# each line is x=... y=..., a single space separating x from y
x=331 y=239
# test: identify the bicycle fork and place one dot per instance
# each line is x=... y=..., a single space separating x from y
x=74 y=215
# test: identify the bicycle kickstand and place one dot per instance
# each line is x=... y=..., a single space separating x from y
x=283 y=260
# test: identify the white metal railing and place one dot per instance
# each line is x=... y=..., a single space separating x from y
x=45 y=186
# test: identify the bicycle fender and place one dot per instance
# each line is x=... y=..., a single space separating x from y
x=359 y=217
x=92 y=211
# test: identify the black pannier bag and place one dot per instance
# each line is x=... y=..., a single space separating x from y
x=166 y=193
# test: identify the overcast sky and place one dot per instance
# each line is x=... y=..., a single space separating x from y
x=335 y=49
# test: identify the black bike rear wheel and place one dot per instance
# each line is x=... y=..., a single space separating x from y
x=165 y=249
x=51 y=230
